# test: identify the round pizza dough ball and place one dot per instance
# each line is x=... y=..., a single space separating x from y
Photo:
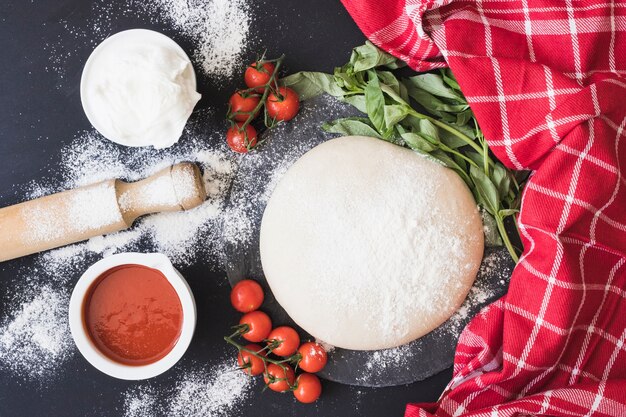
x=368 y=245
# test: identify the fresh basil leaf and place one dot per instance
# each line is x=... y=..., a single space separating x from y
x=474 y=156
x=460 y=161
x=360 y=79
x=357 y=100
x=394 y=113
x=412 y=122
x=393 y=95
x=404 y=94
x=390 y=80
x=435 y=85
x=467 y=130
x=464 y=117
x=485 y=191
x=418 y=143
x=347 y=80
x=501 y=180
x=311 y=84
x=490 y=228
x=432 y=103
x=507 y=212
x=368 y=56
x=427 y=128
x=342 y=79
x=449 y=79
x=395 y=65
x=351 y=127
x=375 y=103
x=446 y=160
x=452 y=141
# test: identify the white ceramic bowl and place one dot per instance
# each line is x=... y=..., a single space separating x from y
x=86 y=346
x=146 y=36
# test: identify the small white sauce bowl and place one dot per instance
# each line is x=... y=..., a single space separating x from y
x=89 y=350
x=145 y=36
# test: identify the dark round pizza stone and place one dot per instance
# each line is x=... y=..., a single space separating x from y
x=415 y=361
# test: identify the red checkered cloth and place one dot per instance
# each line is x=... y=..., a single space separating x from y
x=547 y=82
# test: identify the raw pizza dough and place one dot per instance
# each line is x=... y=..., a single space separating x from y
x=368 y=245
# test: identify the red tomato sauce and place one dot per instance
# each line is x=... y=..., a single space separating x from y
x=133 y=315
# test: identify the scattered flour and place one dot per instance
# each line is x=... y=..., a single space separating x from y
x=35 y=338
x=183 y=236
x=261 y=171
x=219 y=31
x=395 y=357
x=493 y=277
x=34 y=334
x=215 y=393
x=218 y=28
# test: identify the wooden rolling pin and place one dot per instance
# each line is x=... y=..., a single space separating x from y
x=106 y=207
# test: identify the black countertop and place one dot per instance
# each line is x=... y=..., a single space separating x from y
x=40 y=111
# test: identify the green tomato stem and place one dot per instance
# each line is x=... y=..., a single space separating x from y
x=266 y=90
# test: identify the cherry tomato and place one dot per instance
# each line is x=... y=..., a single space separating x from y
x=287 y=340
x=313 y=357
x=284 y=105
x=241 y=141
x=258 y=77
x=259 y=326
x=283 y=379
x=308 y=388
x=250 y=364
x=239 y=103
x=246 y=296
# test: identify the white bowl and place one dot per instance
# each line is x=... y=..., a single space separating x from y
x=142 y=35
x=89 y=350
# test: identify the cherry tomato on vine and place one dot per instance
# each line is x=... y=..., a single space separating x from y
x=250 y=364
x=243 y=103
x=308 y=388
x=256 y=76
x=282 y=105
x=287 y=340
x=246 y=296
x=241 y=141
x=259 y=326
x=279 y=379
x=313 y=357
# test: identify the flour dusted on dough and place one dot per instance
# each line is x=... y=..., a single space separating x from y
x=386 y=243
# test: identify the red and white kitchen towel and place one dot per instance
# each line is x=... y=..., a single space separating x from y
x=547 y=82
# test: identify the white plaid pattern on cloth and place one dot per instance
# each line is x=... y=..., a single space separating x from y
x=547 y=82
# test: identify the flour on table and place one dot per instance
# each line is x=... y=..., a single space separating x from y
x=34 y=336
x=395 y=357
x=217 y=392
x=219 y=32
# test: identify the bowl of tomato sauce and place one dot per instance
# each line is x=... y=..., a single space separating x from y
x=132 y=315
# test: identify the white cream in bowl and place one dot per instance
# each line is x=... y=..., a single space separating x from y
x=138 y=88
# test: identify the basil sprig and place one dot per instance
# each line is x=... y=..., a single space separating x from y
x=427 y=113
